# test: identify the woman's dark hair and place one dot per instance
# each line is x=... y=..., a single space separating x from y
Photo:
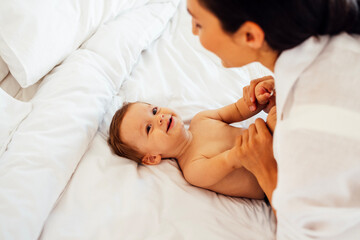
x=287 y=23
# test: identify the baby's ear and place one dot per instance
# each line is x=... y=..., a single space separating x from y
x=149 y=159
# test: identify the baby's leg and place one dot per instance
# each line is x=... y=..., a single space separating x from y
x=271 y=119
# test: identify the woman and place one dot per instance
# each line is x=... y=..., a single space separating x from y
x=313 y=48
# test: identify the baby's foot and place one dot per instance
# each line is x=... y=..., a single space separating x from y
x=271 y=119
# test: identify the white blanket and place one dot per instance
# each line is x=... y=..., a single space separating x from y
x=13 y=113
x=109 y=197
x=67 y=110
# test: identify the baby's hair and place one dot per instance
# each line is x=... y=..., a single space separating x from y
x=119 y=147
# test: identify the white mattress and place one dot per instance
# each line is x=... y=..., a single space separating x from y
x=77 y=188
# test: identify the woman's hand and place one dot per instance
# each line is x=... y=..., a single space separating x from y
x=271 y=119
x=255 y=151
x=260 y=91
x=255 y=146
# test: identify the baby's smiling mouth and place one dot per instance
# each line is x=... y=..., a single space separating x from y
x=169 y=124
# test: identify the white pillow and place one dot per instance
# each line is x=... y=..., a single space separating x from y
x=67 y=110
x=4 y=70
x=129 y=34
x=12 y=114
x=37 y=35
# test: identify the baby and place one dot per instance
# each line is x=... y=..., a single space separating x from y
x=206 y=152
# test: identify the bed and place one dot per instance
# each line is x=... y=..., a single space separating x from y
x=64 y=71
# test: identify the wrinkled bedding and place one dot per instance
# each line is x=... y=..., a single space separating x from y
x=59 y=178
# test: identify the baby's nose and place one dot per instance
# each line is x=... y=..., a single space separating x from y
x=161 y=118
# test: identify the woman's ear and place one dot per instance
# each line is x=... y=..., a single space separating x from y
x=149 y=159
x=250 y=34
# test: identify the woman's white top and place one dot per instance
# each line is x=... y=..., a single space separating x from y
x=317 y=139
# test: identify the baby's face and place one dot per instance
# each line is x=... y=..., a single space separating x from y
x=152 y=129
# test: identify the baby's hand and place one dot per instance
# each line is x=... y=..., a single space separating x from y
x=264 y=91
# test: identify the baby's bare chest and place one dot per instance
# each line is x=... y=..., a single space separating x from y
x=211 y=137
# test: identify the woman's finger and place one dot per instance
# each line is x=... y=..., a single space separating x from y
x=246 y=96
x=245 y=136
x=252 y=132
x=271 y=103
x=261 y=128
x=238 y=141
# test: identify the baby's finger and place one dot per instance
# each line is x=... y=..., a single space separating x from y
x=253 y=84
x=269 y=85
x=252 y=90
x=263 y=98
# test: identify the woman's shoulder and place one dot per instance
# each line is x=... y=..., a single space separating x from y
x=339 y=58
x=345 y=42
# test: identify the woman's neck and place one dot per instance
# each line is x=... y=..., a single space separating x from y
x=268 y=58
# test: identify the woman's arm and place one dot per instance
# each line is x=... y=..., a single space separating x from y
x=255 y=144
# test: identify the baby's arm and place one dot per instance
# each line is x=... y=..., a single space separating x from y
x=235 y=112
x=206 y=172
x=240 y=111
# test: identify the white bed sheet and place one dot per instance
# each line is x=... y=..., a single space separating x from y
x=110 y=197
x=66 y=111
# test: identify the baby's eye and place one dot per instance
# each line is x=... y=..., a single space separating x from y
x=148 y=127
x=154 y=110
x=198 y=25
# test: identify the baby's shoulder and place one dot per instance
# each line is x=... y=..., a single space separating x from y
x=207 y=114
x=200 y=116
x=206 y=120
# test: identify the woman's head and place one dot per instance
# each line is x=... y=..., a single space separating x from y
x=234 y=49
x=285 y=23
